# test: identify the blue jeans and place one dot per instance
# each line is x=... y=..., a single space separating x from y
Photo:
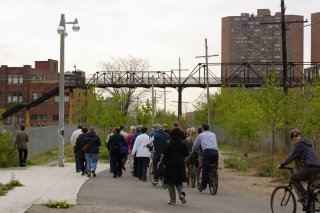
x=91 y=160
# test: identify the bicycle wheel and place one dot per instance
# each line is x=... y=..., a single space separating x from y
x=213 y=180
x=283 y=200
x=193 y=175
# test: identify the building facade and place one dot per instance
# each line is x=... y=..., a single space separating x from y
x=257 y=38
x=315 y=37
x=22 y=85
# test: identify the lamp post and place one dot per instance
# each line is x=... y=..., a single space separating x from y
x=63 y=33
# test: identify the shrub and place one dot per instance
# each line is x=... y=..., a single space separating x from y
x=8 y=154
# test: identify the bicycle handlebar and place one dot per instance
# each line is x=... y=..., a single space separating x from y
x=287 y=167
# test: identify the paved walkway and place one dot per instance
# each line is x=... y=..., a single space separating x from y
x=40 y=184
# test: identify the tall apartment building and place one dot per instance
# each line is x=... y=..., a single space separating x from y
x=247 y=38
x=315 y=37
x=25 y=84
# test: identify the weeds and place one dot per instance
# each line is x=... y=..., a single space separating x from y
x=4 y=188
x=235 y=163
x=58 y=204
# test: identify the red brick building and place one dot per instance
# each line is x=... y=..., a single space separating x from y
x=22 y=85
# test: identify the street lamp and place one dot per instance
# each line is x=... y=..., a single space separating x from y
x=63 y=33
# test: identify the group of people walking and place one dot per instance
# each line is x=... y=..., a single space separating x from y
x=171 y=147
x=86 y=143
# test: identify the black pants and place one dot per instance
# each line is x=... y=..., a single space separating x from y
x=142 y=167
x=156 y=160
x=116 y=162
x=23 y=154
x=209 y=155
x=303 y=174
x=82 y=164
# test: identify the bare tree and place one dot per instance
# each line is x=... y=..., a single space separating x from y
x=125 y=64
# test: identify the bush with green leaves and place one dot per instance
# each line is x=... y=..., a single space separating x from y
x=8 y=154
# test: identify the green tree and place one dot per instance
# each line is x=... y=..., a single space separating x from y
x=143 y=115
x=272 y=101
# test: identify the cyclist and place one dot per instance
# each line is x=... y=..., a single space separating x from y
x=160 y=141
x=208 y=142
x=306 y=155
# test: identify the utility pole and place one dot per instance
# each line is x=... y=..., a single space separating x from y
x=165 y=100
x=284 y=48
x=207 y=78
x=283 y=25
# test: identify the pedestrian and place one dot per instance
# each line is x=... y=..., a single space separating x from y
x=174 y=161
x=160 y=142
x=189 y=141
x=21 y=141
x=124 y=156
x=207 y=141
x=91 y=149
x=135 y=162
x=141 y=152
x=75 y=134
x=79 y=150
x=129 y=138
x=115 y=141
x=114 y=130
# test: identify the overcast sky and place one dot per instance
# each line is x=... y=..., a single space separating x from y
x=159 y=30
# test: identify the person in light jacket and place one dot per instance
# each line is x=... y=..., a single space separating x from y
x=141 y=152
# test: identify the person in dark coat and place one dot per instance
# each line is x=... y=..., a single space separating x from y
x=21 y=143
x=305 y=154
x=78 y=148
x=115 y=141
x=93 y=153
x=174 y=161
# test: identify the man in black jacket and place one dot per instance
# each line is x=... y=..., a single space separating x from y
x=304 y=152
x=160 y=142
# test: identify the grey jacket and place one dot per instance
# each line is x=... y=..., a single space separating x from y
x=304 y=152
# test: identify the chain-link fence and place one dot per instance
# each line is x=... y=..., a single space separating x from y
x=44 y=138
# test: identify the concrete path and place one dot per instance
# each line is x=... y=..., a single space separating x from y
x=40 y=184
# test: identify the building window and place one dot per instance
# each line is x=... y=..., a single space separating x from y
x=15 y=98
x=39 y=117
x=15 y=78
x=34 y=96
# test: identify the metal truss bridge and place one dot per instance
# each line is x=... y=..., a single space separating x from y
x=232 y=75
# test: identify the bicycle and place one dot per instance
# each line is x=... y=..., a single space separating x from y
x=193 y=167
x=283 y=198
x=213 y=179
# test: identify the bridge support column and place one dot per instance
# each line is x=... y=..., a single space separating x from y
x=27 y=117
x=179 y=102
